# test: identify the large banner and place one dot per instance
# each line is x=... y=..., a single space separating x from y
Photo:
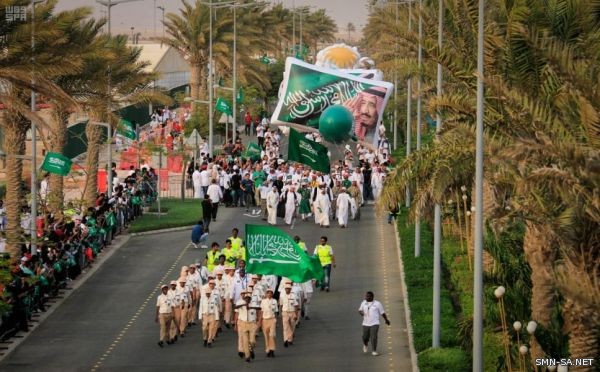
x=270 y=251
x=307 y=90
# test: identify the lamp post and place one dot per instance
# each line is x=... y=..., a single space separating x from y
x=162 y=8
x=419 y=99
x=437 y=225
x=234 y=5
x=478 y=235
x=33 y=245
x=109 y=4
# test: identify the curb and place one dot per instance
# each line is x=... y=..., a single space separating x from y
x=106 y=253
x=172 y=229
x=409 y=327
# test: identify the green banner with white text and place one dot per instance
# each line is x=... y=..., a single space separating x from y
x=270 y=251
x=305 y=151
x=57 y=163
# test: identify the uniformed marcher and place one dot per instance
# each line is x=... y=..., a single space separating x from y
x=164 y=315
x=325 y=254
x=289 y=314
x=244 y=323
x=183 y=304
x=267 y=320
x=209 y=314
x=174 y=328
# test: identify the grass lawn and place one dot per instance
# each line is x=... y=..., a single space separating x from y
x=419 y=283
x=179 y=213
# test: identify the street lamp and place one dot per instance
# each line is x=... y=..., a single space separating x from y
x=33 y=245
x=478 y=235
x=162 y=8
x=234 y=5
x=109 y=4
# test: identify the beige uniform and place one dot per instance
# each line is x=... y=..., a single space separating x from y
x=246 y=326
x=289 y=313
x=268 y=308
x=209 y=313
x=165 y=315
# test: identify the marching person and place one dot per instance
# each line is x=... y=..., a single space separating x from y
x=323 y=206
x=371 y=309
x=307 y=289
x=325 y=254
x=194 y=283
x=183 y=305
x=272 y=201
x=164 y=315
x=291 y=199
x=289 y=313
x=209 y=314
x=244 y=323
x=173 y=329
x=267 y=320
x=343 y=203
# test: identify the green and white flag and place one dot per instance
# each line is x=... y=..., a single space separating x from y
x=126 y=129
x=252 y=151
x=270 y=251
x=223 y=106
x=57 y=163
x=305 y=151
x=239 y=98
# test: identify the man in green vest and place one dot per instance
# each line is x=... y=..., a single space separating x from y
x=212 y=257
x=300 y=242
x=236 y=241
x=231 y=254
x=325 y=254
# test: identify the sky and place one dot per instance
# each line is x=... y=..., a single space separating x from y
x=140 y=14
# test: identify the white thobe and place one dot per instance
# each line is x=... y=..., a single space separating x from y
x=197 y=184
x=290 y=205
x=323 y=207
x=377 y=184
x=343 y=200
x=272 y=199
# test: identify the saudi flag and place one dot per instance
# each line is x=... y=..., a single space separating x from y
x=126 y=129
x=305 y=151
x=223 y=106
x=253 y=151
x=57 y=163
x=270 y=251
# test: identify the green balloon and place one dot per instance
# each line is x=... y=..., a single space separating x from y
x=335 y=123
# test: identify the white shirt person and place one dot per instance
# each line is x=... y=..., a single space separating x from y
x=371 y=310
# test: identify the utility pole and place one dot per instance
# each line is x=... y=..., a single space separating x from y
x=478 y=235
x=109 y=4
x=419 y=95
x=210 y=83
x=437 y=226
x=408 y=107
x=33 y=225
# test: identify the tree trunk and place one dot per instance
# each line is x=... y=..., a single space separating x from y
x=195 y=76
x=14 y=144
x=540 y=255
x=581 y=324
x=94 y=135
x=57 y=140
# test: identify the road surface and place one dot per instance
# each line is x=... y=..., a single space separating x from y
x=108 y=323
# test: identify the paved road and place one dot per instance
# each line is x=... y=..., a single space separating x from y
x=108 y=323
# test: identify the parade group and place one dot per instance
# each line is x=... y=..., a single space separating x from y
x=219 y=293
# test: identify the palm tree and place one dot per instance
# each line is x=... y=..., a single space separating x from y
x=542 y=134
x=114 y=79
x=188 y=33
x=19 y=73
x=350 y=28
x=84 y=42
